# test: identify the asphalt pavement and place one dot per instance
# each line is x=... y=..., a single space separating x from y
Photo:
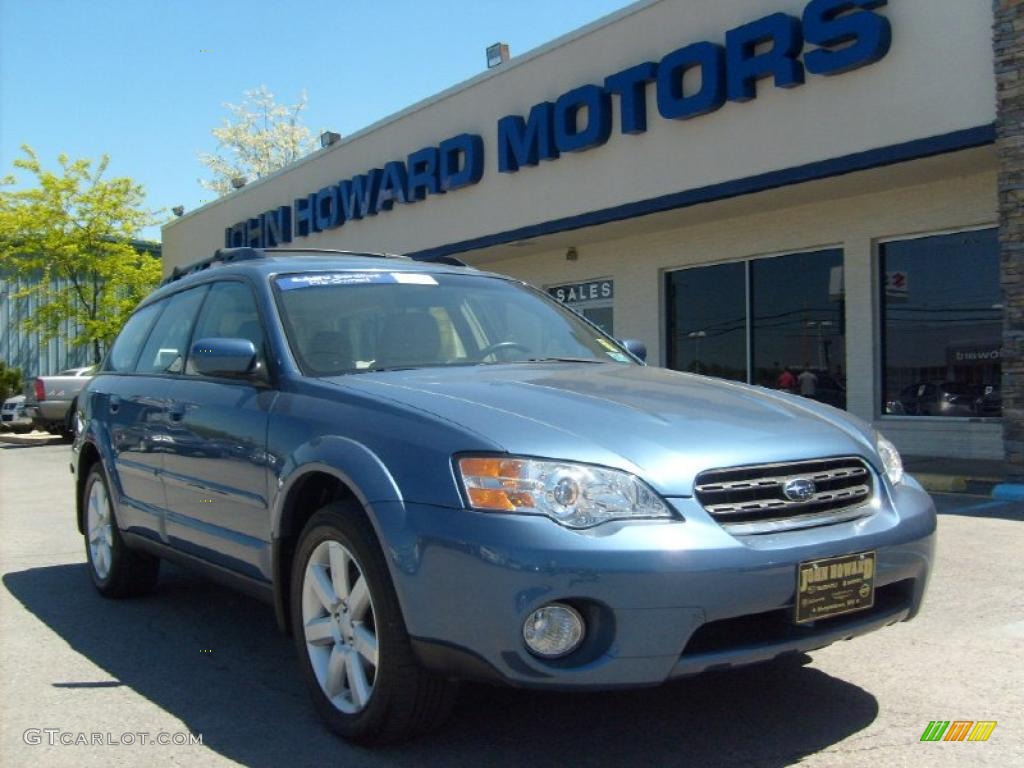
x=195 y=658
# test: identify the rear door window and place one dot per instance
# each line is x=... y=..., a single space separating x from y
x=126 y=348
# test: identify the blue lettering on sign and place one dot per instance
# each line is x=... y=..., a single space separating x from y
x=527 y=142
x=277 y=226
x=392 y=186
x=326 y=209
x=461 y=161
x=846 y=35
x=423 y=174
x=305 y=221
x=709 y=58
x=829 y=23
x=745 y=65
x=630 y=85
x=596 y=103
x=358 y=193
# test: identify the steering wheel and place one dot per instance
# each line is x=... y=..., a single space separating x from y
x=490 y=349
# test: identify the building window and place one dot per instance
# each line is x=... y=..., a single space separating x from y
x=942 y=319
x=775 y=321
x=707 y=320
x=592 y=299
x=798 y=336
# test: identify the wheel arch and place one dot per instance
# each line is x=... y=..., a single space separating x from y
x=334 y=469
x=88 y=456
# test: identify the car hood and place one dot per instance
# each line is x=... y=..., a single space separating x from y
x=662 y=425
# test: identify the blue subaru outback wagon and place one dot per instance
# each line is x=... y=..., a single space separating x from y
x=437 y=474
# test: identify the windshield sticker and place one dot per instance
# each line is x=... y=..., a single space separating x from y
x=607 y=345
x=333 y=278
x=413 y=278
x=618 y=357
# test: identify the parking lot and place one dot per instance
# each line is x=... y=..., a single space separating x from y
x=197 y=658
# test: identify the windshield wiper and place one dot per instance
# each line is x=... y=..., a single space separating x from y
x=559 y=360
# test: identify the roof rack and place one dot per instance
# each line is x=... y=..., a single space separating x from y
x=450 y=260
x=333 y=252
x=231 y=255
x=220 y=256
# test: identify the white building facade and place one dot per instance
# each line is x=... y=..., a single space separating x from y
x=801 y=195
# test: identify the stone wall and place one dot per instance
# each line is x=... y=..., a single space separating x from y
x=1008 y=43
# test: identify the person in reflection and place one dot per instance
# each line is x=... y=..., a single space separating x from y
x=786 y=380
x=808 y=382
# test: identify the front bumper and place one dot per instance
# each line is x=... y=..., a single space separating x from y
x=664 y=599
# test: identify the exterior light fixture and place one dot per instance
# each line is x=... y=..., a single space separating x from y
x=178 y=210
x=329 y=137
x=239 y=181
x=497 y=55
x=572 y=254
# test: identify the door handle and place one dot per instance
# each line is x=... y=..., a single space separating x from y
x=176 y=411
x=114 y=403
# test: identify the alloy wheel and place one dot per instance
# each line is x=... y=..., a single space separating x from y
x=101 y=533
x=339 y=626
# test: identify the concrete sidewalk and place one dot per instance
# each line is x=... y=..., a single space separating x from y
x=975 y=476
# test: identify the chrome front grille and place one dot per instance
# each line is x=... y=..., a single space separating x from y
x=753 y=499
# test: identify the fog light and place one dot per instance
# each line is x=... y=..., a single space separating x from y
x=554 y=630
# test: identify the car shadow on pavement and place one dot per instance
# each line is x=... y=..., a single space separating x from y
x=215 y=660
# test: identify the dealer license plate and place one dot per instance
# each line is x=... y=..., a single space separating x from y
x=833 y=586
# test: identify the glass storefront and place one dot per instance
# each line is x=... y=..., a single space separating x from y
x=707 y=320
x=942 y=318
x=775 y=321
x=797 y=325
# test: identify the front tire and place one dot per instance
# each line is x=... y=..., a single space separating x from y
x=116 y=570
x=353 y=647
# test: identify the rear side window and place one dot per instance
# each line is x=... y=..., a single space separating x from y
x=167 y=345
x=229 y=313
x=126 y=348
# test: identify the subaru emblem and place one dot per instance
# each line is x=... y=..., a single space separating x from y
x=799 y=489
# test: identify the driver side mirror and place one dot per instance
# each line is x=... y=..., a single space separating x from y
x=224 y=357
x=636 y=348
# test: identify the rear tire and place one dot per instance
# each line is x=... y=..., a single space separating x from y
x=353 y=647
x=116 y=570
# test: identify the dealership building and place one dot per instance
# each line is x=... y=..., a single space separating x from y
x=830 y=188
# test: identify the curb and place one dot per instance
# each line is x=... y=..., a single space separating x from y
x=11 y=439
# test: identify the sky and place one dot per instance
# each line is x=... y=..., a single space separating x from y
x=144 y=81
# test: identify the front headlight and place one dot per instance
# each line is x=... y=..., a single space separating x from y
x=890 y=459
x=573 y=495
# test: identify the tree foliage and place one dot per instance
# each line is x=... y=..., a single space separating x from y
x=10 y=381
x=260 y=137
x=70 y=238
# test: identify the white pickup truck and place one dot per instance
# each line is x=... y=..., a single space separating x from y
x=51 y=401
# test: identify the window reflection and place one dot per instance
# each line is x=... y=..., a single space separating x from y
x=795 y=322
x=942 y=311
x=799 y=340
x=707 y=321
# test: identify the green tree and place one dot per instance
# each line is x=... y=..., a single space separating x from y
x=10 y=381
x=71 y=238
x=260 y=137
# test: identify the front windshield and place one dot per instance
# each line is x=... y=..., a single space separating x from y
x=346 y=322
